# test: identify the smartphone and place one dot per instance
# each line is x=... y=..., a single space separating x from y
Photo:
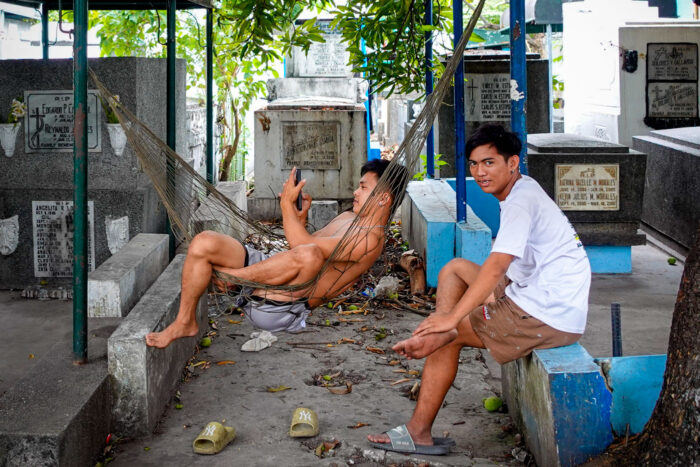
x=297 y=179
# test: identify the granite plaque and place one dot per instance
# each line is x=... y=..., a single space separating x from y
x=672 y=100
x=311 y=145
x=587 y=187
x=49 y=121
x=672 y=61
x=53 y=238
x=487 y=97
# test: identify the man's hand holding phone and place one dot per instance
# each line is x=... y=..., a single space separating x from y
x=292 y=193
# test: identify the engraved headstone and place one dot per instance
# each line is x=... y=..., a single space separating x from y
x=672 y=85
x=311 y=145
x=487 y=99
x=49 y=121
x=597 y=184
x=587 y=187
x=54 y=228
x=324 y=59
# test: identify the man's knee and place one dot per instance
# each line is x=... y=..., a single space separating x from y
x=202 y=243
x=308 y=256
x=455 y=266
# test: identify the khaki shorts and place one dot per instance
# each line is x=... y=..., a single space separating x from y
x=509 y=333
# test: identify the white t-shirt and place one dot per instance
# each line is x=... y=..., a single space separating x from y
x=550 y=272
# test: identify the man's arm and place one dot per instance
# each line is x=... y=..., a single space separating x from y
x=355 y=246
x=490 y=273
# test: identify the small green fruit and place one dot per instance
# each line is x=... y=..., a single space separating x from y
x=353 y=307
x=328 y=322
x=393 y=296
x=178 y=406
x=492 y=403
x=327 y=377
x=205 y=342
x=330 y=305
x=672 y=261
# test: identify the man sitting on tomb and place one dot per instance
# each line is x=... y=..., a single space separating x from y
x=530 y=293
x=213 y=255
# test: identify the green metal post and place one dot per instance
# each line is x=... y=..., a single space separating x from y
x=210 y=99
x=44 y=31
x=170 y=108
x=80 y=202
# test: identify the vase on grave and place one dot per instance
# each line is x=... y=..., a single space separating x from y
x=117 y=138
x=8 y=137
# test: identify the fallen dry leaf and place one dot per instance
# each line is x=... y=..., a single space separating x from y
x=375 y=349
x=233 y=321
x=347 y=340
x=401 y=371
x=413 y=372
x=226 y=362
x=394 y=362
x=351 y=320
x=340 y=391
x=278 y=389
x=402 y=380
x=359 y=425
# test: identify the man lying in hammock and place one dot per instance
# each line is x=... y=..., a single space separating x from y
x=214 y=256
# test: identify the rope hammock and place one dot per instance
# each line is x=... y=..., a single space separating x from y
x=183 y=191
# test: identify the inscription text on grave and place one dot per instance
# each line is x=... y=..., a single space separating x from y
x=53 y=238
x=583 y=187
x=487 y=97
x=49 y=121
x=311 y=145
x=672 y=83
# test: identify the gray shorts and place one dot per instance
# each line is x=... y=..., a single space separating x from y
x=272 y=315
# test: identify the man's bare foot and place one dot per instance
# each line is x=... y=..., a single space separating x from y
x=422 y=437
x=422 y=346
x=174 y=331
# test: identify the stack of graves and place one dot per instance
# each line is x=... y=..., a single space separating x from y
x=316 y=121
x=36 y=182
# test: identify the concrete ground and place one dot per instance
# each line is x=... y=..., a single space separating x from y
x=238 y=392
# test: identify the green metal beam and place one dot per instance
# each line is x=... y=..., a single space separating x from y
x=210 y=100
x=44 y=32
x=80 y=201
x=171 y=114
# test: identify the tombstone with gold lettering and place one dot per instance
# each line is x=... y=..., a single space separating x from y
x=599 y=186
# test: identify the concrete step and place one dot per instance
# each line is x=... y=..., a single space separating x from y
x=59 y=413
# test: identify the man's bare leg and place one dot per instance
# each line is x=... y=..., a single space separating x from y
x=443 y=349
x=208 y=249
x=453 y=281
x=210 y=252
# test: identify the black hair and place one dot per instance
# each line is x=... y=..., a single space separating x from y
x=506 y=142
x=396 y=179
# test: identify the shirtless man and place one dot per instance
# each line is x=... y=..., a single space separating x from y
x=281 y=310
x=530 y=293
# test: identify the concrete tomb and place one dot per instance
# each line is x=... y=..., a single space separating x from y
x=672 y=192
x=316 y=121
x=599 y=186
x=487 y=97
x=36 y=184
x=633 y=72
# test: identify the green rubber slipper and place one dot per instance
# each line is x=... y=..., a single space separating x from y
x=304 y=423
x=213 y=438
